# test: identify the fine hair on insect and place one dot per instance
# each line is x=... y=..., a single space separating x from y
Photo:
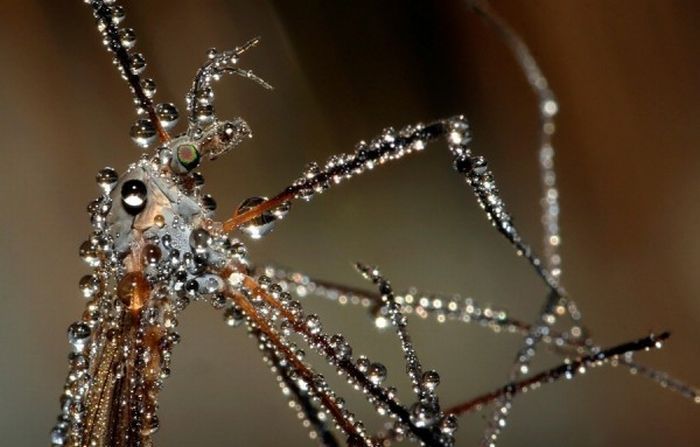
x=156 y=247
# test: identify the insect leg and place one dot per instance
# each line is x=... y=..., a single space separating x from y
x=393 y=145
x=568 y=370
x=421 y=422
x=547 y=109
x=119 y=42
x=302 y=398
x=445 y=307
x=274 y=340
x=441 y=307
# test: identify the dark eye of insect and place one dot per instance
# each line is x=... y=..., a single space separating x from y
x=188 y=156
x=134 y=196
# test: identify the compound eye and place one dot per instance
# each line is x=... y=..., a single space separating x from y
x=188 y=156
x=134 y=195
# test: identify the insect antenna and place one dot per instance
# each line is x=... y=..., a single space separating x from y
x=200 y=98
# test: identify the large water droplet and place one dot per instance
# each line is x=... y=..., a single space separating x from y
x=168 y=114
x=134 y=196
x=143 y=133
x=260 y=225
x=151 y=254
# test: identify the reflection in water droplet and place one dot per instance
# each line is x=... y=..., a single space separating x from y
x=143 y=133
x=261 y=225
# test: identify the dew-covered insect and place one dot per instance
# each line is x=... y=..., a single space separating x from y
x=156 y=247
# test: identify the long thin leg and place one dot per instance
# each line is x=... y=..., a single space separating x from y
x=273 y=340
x=301 y=397
x=547 y=108
x=424 y=383
x=262 y=301
x=393 y=145
x=442 y=307
x=567 y=370
x=130 y=65
x=445 y=307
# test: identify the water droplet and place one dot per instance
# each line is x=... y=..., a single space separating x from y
x=423 y=415
x=191 y=287
x=449 y=424
x=168 y=114
x=88 y=253
x=376 y=373
x=281 y=211
x=200 y=240
x=212 y=284
x=138 y=63
x=106 y=179
x=159 y=220
x=59 y=435
x=341 y=347
x=151 y=254
x=134 y=196
x=165 y=156
x=208 y=202
x=134 y=290
x=89 y=285
x=127 y=37
x=233 y=316
x=362 y=364
x=430 y=380
x=151 y=426
x=260 y=225
x=204 y=113
x=235 y=279
x=143 y=133
x=149 y=87
x=313 y=324
x=118 y=14
x=78 y=335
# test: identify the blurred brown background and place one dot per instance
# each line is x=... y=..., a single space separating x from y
x=626 y=73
